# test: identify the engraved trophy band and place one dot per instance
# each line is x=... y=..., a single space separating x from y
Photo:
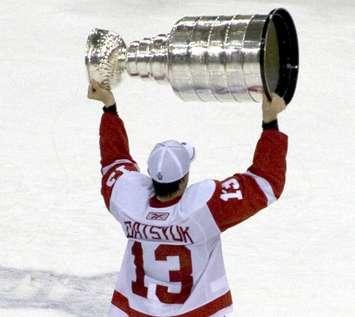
x=206 y=58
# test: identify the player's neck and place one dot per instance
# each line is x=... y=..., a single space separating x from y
x=171 y=196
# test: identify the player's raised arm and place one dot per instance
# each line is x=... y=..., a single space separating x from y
x=114 y=147
x=242 y=195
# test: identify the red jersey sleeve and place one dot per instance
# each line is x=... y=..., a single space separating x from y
x=114 y=150
x=242 y=195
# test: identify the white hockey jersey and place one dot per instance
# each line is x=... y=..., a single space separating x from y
x=173 y=264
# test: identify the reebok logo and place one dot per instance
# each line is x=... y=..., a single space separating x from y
x=157 y=216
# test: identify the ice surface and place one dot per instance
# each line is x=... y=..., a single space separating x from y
x=33 y=312
x=60 y=249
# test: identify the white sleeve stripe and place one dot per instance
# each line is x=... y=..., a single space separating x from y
x=265 y=187
x=105 y=169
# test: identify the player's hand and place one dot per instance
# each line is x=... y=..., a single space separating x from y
x=96 y=92
x=272 y=108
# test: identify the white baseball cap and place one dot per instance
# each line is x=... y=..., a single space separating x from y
x=170 y=161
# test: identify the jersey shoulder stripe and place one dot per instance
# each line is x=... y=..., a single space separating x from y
x=265 y=187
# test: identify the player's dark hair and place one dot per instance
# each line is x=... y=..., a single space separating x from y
x=166 y=189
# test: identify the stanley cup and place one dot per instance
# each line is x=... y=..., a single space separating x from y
x=206 y=58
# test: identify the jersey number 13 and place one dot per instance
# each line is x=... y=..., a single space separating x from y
x=183 y=275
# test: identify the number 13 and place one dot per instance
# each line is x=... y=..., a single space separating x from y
x=184 y=275
x=231 y=190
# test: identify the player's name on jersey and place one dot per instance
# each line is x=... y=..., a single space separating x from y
x=137 y=230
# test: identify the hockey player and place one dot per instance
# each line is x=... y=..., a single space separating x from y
x=173 y=264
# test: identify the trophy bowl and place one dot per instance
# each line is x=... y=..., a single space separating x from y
x=105 y=57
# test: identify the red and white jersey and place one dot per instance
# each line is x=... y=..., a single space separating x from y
x=173 y=264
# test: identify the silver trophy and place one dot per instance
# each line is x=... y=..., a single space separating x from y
x=206 y=58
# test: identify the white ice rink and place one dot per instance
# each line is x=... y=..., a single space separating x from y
x=60 y=249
